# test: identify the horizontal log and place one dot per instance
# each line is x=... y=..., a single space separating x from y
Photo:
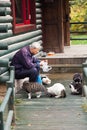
x=3 y=28
x=6 y=35
x=17 y=39
x=8 y=10
x=5 y=3
x=7 y=56
x=8 y=24
x=3 y=47
x=38 y=4
x=22 y=44
x=39 y=26
x=17 y=46
x=38 y=16
x=5 y=19
x=3 y=11
x=4 y=62
x=39 y=21
x=38 y=10
x=4 y=79
x=3 y=70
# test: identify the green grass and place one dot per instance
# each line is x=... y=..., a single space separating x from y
x=78 y=42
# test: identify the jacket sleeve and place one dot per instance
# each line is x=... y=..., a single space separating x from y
x=28 y=60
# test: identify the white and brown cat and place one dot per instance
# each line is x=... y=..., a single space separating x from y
x=57 y=90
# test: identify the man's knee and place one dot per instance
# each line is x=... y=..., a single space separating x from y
x=34 y=74
x=35 y=71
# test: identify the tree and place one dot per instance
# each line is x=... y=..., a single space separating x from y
x=78 y=14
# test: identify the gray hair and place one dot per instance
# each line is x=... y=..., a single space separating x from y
x=36 y=45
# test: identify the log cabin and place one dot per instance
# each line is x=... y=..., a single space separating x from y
x=25 y=21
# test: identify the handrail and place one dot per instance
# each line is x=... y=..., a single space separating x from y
x=78 y=22
x=85 y=78
x=8 y=99
x=9 y=120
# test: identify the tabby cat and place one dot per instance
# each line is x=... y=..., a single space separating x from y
x=34 y=87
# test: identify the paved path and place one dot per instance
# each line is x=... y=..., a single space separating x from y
x=52 y=114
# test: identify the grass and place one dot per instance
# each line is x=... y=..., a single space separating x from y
x=78 y=42
x=84 y=106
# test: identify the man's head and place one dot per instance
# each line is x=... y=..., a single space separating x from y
x=35 y=47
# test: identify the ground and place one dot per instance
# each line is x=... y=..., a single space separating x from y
x=2 y=91
x=50 y=113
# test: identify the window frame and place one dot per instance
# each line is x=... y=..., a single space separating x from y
x=25 y=27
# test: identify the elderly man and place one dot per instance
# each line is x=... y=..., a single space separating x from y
x=26 y=65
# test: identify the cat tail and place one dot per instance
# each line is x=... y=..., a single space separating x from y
x=63 y=94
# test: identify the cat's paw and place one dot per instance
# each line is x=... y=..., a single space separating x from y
x=38 y=96
x=57 y=96
x=29 y=96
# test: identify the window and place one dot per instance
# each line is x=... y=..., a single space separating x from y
x=23 y=12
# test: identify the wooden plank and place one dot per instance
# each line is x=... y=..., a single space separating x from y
x=9 y=120
x=67 y=65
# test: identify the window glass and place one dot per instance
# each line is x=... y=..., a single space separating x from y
x=24 y=15
x=22 y=11
x=27 y=10
x=18 y=13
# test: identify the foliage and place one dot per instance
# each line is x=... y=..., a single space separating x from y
x=79 y=14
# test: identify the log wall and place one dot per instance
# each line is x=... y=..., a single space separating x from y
x=11 y=43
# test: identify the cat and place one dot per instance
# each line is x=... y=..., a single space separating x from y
x=45 y=80
x=76 y=84
x=34 y=87
x=57 y=91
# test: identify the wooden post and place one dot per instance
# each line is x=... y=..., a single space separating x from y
x=11 y=101
x=10 y=83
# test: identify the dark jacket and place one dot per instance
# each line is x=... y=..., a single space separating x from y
x=23 y=59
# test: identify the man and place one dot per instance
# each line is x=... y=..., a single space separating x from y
x=26 y=65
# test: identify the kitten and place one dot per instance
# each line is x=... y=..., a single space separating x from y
x=34 y=87
x=76 y=84
x=45 y=80
x=57 y=90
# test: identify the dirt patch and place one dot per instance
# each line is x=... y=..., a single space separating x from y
x=2 y=92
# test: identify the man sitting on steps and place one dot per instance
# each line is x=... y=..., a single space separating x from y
x=26 y=65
